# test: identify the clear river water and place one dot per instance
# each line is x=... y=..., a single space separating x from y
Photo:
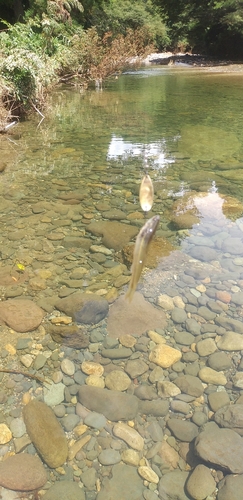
x=69 y=216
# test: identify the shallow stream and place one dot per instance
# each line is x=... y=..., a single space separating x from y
x=69 y=214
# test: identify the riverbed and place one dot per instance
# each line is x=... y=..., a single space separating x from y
x=144 y=394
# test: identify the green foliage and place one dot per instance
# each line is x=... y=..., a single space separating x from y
x=27 y=77
x=214 y=26
x=117 y=17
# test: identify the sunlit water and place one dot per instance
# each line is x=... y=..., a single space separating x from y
x=83 y=164
x=182 y=126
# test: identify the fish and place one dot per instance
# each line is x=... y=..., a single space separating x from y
x=146 y=193
x=143 y=240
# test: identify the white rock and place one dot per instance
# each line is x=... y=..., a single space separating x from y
x=129 y=435
x=148 y=474
x=67 y=367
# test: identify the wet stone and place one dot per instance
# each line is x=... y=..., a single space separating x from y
x=200 y=483
x=199 y=418
x=129 y=435
x=178 y=315
x=182 y=429
x=113 y=404
x=117 y=380
x=71 y=336
x=21 y=314
x=184 y=338
x=206 y=347
x=65 y=490
x=88 y=478
x=109 y=457
x=92 y=312
x=124 y=479
x=164 y=355
x=230 y=488
x=22 y=472
x=156 y=408
x=217 y=400
x=180 y=407
x=95 y=420
x=17 y=427
x=219 y=361
x=70 y=421
x=67 y=367
x=192 y=326
x=136 y=367
x=206 y=313
x=172 y=485
x=230 y=416
x=190 y=385
x=46 y=433
x=54 y=394
x=231 y=341
x=222 y=447
x=146 y=392
x=211 y=376
x=122 y=352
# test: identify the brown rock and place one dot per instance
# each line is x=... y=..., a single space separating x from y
x=76 y=301
x=114 y=234
x=223 y=296
x=22 y=472
x=133 y=318
x=21 y=315
x=45 y=433
x=169 y=455
x=200 y=483
x=222 y=447
x=71 y=336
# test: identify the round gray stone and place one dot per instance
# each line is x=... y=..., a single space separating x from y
x=109 y=457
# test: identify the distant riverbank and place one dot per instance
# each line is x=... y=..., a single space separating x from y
x=194 y=60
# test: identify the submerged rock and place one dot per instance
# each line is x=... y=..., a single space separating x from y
x=133 y=318
x=46 y=433
x=22 y=472
x=222 y=447
x=22 y=315
x=70 y=335
x=65 y=490
x=125 y=484
x=113 y=404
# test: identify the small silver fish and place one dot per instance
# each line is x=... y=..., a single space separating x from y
x=146 y=193
x=143 y=240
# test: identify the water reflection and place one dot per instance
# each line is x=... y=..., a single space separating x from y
x=154 y=153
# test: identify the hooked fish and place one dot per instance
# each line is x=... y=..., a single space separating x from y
x=146 y=193
x=143 y=240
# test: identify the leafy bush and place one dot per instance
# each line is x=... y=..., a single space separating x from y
x=118 y=17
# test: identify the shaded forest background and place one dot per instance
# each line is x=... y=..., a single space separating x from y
x=44 y=42
x=206 y=26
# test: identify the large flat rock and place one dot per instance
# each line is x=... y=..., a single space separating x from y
x=135 y=317
x=22 y=315
x=115 y=405
x=222 y=447
x=125 y=484
x=114 y=234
